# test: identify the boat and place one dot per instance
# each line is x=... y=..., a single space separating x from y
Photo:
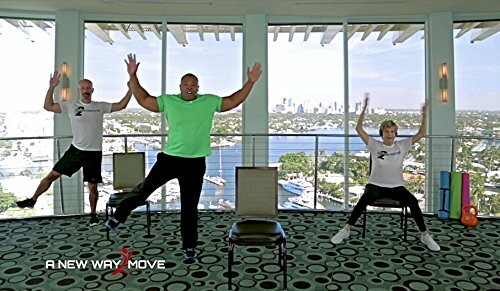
x=303 y=201
x=40 y=158
x=297 y=186
x=211 y=206
x=156 y=145
x=172 y=192
x=226 y=204
x=215 y=179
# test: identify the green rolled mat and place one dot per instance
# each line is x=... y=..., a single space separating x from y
x=455 y=194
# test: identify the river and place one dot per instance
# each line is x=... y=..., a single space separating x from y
x=230 y=157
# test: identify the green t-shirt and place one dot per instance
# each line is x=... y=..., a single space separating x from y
x=190 y=123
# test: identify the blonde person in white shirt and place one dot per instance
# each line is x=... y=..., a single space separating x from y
x=386 y=177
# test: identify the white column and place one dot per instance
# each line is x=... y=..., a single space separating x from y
x=69 y=48
x=255 y=108
x=439 y=49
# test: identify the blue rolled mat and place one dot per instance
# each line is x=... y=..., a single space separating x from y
x=444 y=195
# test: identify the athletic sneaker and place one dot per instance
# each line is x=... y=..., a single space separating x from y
x=29 y=203
x=429 y=242
x=112 y=224
x=94 y=219
x=190 y=254
x=340 y=236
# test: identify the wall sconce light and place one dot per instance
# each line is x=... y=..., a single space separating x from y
x=65 y=96
x=443 y=83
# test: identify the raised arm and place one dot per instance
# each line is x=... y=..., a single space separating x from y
x=359 y=126
x=122 y=104
x=239 y=96
x=143 y=98
x=421 y=131
x=49 y=103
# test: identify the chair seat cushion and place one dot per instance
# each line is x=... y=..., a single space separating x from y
x=116 y=198
x=256 y=232
x=387 y=202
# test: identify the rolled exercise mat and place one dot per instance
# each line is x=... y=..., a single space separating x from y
x=456 y=195
x=465 y=189
x=444 y=195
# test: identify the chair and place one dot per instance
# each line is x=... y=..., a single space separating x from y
x=128 y=171
x=387 y=203
x=257 y=204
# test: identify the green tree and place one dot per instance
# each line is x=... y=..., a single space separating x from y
x=333 y=163
x=6 y=200
x=477 y=193
x=295 y=163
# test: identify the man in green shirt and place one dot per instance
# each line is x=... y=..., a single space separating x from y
x=189 y=116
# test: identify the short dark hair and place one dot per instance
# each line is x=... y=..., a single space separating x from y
x=189 y=75
x=85 y=80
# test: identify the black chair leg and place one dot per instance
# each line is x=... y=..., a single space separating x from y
x=280 y=253
x=107 y=217
x=285 y=285
x=148 y=218
x=401 y=217
x=229 y=265
x=406 y=223
x=364 y=223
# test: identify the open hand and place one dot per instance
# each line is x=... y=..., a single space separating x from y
x=365 y=102
x=55 y=79
x=424 y=108
x=254 y=73
x=132 y=64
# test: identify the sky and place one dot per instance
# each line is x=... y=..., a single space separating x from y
x=302 y=71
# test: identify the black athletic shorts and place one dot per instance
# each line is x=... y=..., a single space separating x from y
x=74 y=159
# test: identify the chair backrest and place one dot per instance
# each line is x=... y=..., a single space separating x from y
x=257 y=192
x=128 y=169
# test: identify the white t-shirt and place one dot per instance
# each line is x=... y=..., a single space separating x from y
x=387 y=162
x=86 y=123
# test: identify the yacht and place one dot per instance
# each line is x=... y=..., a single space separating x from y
x=211 y=206
x=298 y=186
x=173 y=193
x=226 y=204
x=215 y=179
x=302 y=201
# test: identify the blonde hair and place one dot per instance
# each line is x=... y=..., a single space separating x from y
x=387 y=124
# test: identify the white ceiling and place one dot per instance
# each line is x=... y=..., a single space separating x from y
x=336 y=8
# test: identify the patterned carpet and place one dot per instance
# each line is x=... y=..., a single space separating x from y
x=30 y=251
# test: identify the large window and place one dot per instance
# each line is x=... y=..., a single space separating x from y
x=27 y=60
x=306 y=85
x=386 y=64
x=305 y=72
x=212 y=52
x=477 y=92
x=106 y=47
